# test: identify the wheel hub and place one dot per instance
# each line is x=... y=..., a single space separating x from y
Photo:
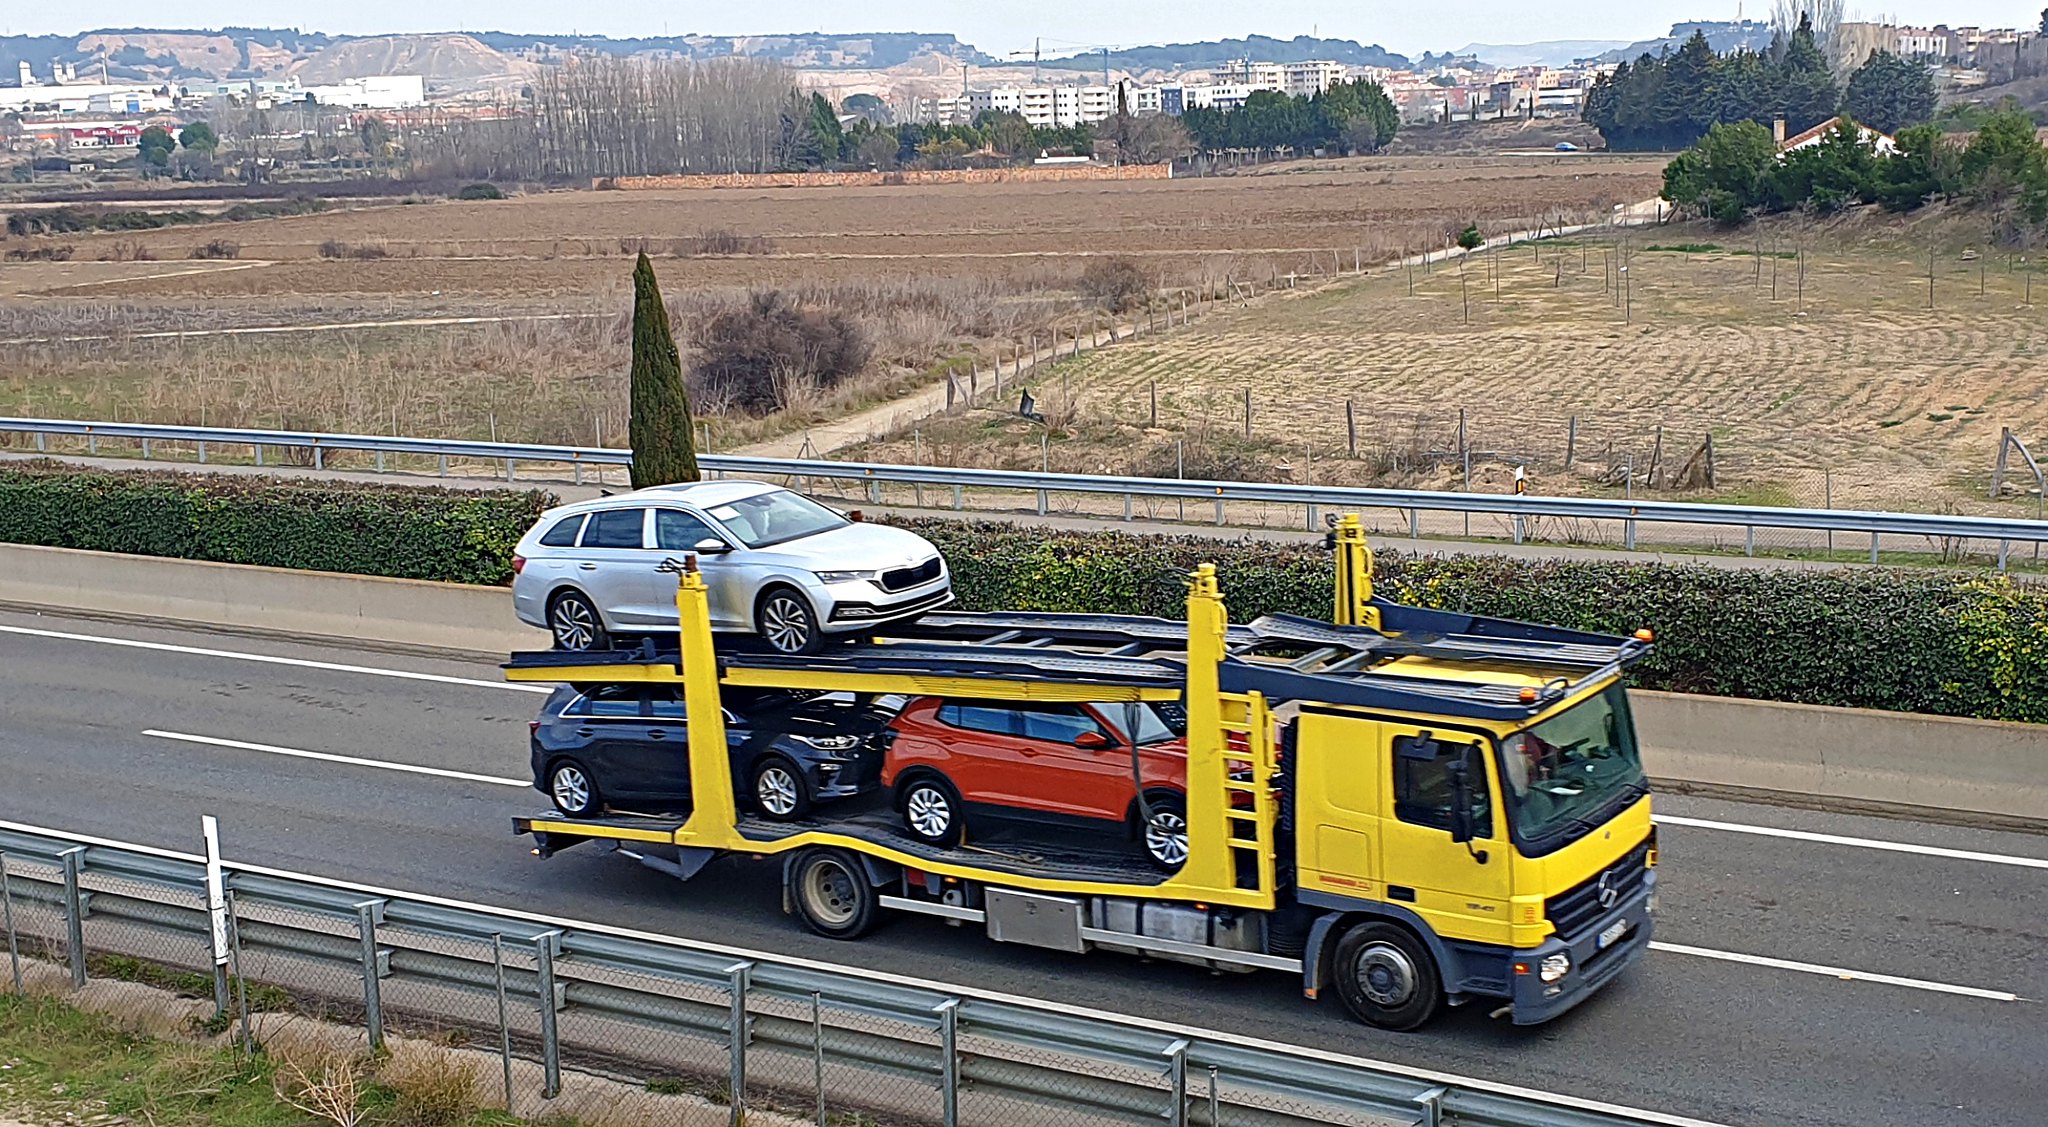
x=777 y=791
x=1386 y=974
x=1166 y=837
x=571 y=790
x=929 y=812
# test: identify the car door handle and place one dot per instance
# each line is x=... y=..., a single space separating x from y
x=657 y=734
x=585 y=732
x=587 y=566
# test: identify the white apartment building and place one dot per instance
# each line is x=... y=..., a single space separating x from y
x=1048 y=107
x=1916 y=42
x=1308 y=79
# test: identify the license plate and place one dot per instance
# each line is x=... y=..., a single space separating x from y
x=1614 y=931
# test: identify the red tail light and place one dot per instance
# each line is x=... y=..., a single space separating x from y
x=533 y=727
x=518 y=564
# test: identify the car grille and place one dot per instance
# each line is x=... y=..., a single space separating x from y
x=1573 y=910
x=904 y=578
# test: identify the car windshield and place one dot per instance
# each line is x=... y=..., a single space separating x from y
x=1152 y=727
x=771 y=518
x=1558 y=774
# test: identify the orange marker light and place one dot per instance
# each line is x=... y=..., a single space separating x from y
x=1646 y=635
x=1521 y=968
x=1528 y=696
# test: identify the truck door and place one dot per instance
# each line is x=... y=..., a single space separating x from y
x=1460 y=889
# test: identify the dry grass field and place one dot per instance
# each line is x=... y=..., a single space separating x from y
x=1822 y=375
x=933 y=275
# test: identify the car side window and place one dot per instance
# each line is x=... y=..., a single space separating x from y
x=979 y=716
x=1422 y=785
x=615 y=528
x=680 y=531
x=1057 y=723
x=607 y=702
x=563 y=534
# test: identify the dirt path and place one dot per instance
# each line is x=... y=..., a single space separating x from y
x=825 y=439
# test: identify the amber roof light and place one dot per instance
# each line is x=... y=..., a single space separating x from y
x=1646 y=635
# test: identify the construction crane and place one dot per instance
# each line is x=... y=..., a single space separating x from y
x=1037 y=53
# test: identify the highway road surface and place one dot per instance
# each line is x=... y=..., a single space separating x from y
x=1812 y=968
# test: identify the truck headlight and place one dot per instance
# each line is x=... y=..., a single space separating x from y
x=1555 y=966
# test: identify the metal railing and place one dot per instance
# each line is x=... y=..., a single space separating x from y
x=595 y=1002
x=1522 y=511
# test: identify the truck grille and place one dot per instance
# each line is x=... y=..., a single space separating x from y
x=1572 y=911
x=904 y=578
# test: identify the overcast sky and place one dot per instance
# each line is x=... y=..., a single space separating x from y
x=996 y=26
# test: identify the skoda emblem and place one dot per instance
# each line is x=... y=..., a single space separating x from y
x=1608 y=893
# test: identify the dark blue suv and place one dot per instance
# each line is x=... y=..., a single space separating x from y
x=626 y=747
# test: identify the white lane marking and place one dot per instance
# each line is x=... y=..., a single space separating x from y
x=271 y=659
x=1671 y=948
x=1834 y=972
x=349 y=760
x=1859 y=842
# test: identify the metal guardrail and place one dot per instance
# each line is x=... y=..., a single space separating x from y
x=1932 y=527
x=1013 y=1060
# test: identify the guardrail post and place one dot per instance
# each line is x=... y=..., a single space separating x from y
x=2003 y=547
x=7 y=922
x=380 y=461
x=368 y=914
x=1041 y=502
x=41 y=445
x=510 y=475
x=959 y=502
x=1219 y=512
x=1310 y=512
x=1414 y=524
x=443 y=459
x=504 y=1019
x=145 y=449
x=258 y=448
x=1127 y=506
x=92 y=443
x=544 y=948
x=1749 y=540
x=742 y=977
x=1873 y=545
x=202 y=453
x=949 y=1063
x=1432 y=1105
x=1629 y=534
x=818 y=1052
x=1518 y=528
x=874 y=492
x=1215 y=1101
x=74 y=915
x=319 y=457
x=1177 y=1079
x=235 y=966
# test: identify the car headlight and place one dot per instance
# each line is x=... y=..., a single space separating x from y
x=848 y=576
x=831 y=743
x=1555 y=966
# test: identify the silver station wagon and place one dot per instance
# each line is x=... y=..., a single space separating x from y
x=778 y=564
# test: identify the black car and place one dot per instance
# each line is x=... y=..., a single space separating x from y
x=627 y=747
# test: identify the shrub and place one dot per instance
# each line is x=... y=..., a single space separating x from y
x=335 y=248
x=432 y=1087
x=1117 y=284
x=748 y=354
x=41 y=254
x=408 y=532
x=480 y=192
x=218 y=248
x=1913 y=641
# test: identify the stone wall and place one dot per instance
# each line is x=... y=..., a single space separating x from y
x=1028 y=174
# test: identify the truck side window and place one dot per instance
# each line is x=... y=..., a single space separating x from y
x=1422 y=785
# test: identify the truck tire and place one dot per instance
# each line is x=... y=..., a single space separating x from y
x=832 y=895
x=1386 y=976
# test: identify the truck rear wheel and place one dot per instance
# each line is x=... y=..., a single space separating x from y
x=1386 y=976
x=832 y=895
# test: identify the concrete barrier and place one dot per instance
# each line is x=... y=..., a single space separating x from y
x=1848 y=758
x=358 y=609
x=1934 y=767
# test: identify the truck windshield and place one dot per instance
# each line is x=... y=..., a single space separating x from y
x=1561 y=775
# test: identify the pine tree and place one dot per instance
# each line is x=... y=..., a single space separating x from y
x=1806 y=85
x=664 y=447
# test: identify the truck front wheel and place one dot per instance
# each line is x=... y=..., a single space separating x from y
x=1386 y=976
x=832 y=895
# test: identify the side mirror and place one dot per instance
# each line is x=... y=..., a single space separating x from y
x=1461 y=799
x=711 y=546
x=1093 y=741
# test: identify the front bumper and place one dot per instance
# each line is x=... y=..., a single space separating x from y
x=863 y=614
x=845 y=778
x=1593 y=966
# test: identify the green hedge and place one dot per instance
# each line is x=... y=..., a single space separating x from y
x=410 y=532
x=1945 y=643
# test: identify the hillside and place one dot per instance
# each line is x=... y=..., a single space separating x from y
x=1215 y=53
x=1722 y=35
x=1549 y=53
x=445 y=57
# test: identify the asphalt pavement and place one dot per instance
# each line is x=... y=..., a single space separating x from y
x=1759 y=1008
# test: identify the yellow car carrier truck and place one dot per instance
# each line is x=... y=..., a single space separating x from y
x=1410 y=808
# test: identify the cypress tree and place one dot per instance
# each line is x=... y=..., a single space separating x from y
x=664 y=447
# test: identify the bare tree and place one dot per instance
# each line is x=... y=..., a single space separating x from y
x=1826 y=16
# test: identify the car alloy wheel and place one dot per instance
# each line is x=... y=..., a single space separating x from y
x=778 y=790
x=574 y=623
x=928 y=812
x=786 y=623
x=1166 y=837
x=570 y=788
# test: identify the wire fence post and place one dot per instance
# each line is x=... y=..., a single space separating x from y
x=818 y=1052
x=235 y=968
x=74 y=915
x=949 y=1064
x=504 y=1019
x=1215 y=1103
x=368 y=913
x=1177 y=1079
x=7 y=921
x=741 y=975
x=545 y=947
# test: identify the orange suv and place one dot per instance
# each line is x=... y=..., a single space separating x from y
x=1058 y=764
